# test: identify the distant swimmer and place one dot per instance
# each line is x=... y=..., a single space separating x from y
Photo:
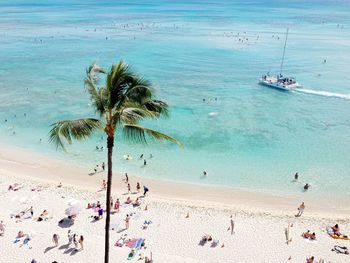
x=144 y=162
x=141 y=156
x=324 y=61
x=296 y=176
x=306 y=187
x=97 y=148
x=150 y=155
x=205 y=173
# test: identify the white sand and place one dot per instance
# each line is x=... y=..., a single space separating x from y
x=260 y=221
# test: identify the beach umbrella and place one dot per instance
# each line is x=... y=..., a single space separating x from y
x=73 y=202
x=73 y=210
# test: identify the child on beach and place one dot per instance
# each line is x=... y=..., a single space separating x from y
x=81 y=242
x=127 y=220
x=55 y=238
x=70 y=238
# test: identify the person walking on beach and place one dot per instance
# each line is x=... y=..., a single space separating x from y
x=103 y=166
x=129 y=188
x=55 y=239
x=117 y=205
x=300 y=210
x=81 y=242
x=100 y=212
x=70 y=238
x=75 y=241
x=126 y=178
x=31 y=211
x=104 y=184
x=127 y=220
x=138 y=187
x=2 y=228
x=145 y=190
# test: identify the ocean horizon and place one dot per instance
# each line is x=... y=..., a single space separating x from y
x=205 y=60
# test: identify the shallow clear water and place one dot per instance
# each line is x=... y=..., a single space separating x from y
x=258 y=137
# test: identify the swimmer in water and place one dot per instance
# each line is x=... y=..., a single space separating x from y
x=205 y=173
x=306 y=187
x=296 y=176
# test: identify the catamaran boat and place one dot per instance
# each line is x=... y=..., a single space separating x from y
x=280 y=82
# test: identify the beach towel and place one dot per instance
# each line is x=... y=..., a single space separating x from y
x=119 y=243
x=340 y=250
x=139 y=243
x=215 y=243
x=343 y=237
x=131 y=243
x=131 y=255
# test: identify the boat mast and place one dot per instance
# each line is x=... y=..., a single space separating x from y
x=284 y=51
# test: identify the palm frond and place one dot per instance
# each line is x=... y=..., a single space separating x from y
x=132 y=113
x=139 y=90
x=97 y=96
x=65 y=131
x=158 y=107
x=139 y=134
x=118 y=78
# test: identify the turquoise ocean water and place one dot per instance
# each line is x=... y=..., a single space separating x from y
x=250 y=137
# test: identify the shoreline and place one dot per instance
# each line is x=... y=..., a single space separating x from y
x=14 y=163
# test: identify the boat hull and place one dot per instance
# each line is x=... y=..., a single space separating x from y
x=278 y=85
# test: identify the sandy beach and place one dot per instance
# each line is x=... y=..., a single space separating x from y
x=260 y=220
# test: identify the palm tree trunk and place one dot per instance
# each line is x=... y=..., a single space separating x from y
x=110 y=144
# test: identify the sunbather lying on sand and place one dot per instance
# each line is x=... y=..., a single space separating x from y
x=14 y=187
x=43 y=216
x=206 y=238
x=308 y=235
x=128 y=200
x=136 y=203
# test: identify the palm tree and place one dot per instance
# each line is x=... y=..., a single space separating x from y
x=124 y=101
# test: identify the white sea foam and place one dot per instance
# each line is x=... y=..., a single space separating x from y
x=324 y=93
